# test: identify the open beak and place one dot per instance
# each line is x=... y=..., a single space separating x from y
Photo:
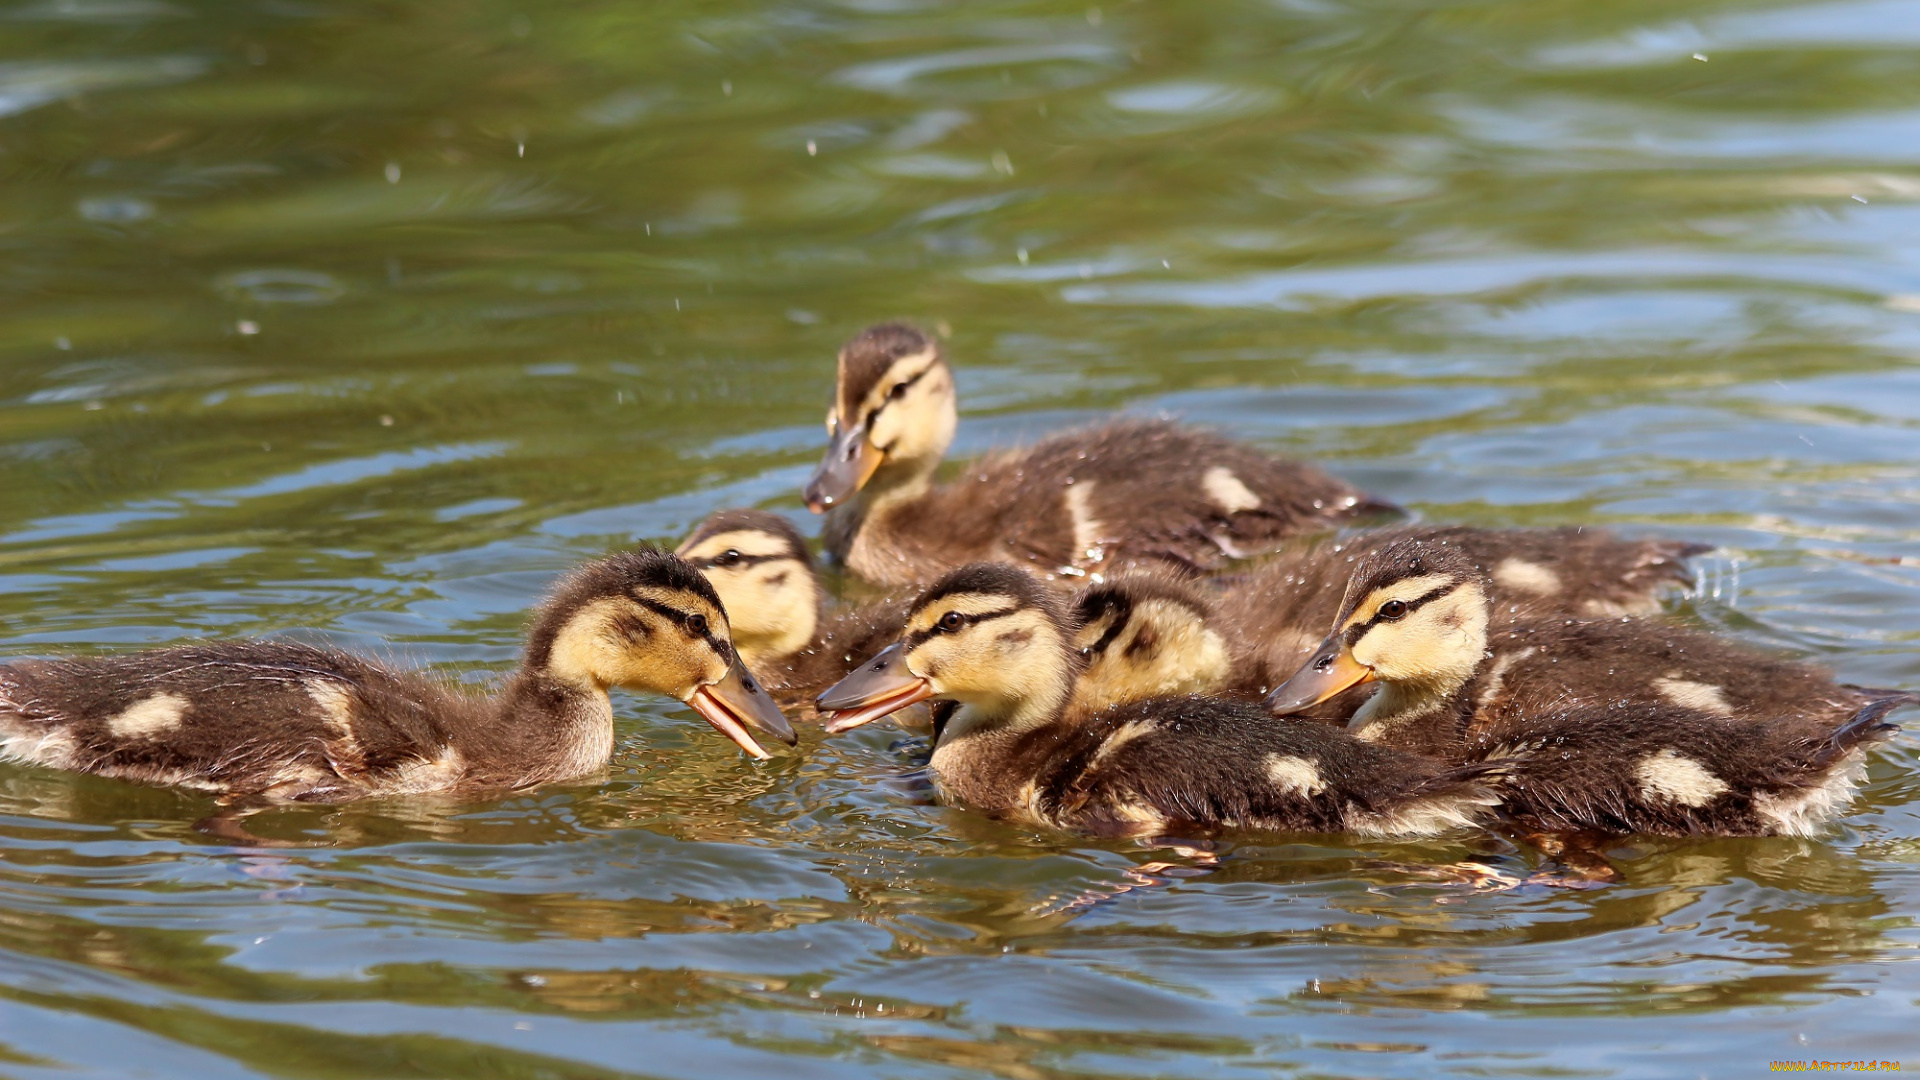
x=881 y=686
x=1331 y=670
x=738 y=702
x=850 y=461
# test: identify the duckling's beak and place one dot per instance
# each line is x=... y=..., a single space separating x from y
x=850 y=461
x=882 y=686
x=1331 y=670
x=739 y=699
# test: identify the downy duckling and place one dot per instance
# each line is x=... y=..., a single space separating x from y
x=280 y=721
x=1607 y=725
x=1276 y=614
x=1122 y=494
x=997 y=646
x=786 y=634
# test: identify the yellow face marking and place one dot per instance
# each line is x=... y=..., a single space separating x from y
x=154 y=716
x=904 y=370
x=749 y=542
x=1406 y=591
x=964 y=604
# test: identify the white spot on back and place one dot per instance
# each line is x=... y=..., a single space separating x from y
x=1122 y=735
x=1227 y=492
x=1528 y=577
x=1671 y=775
x=336 y=706
x=144 y=719
x=1294 y=775
x=1687 y=694
x=1086 y=528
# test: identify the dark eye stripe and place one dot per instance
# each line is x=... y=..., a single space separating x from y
x=679 y=618
x=1122 y=611
x=902 y=388
x=1359 y=630
x=744 y=560
x=919 y=636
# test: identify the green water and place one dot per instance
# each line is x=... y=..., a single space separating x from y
x=363 y=320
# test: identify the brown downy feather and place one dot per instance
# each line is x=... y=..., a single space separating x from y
x=1673 y=772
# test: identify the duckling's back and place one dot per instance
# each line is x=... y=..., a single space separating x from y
x=273 y=719
x=1194 y=762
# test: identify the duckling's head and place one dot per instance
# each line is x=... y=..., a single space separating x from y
x=647 y=620
x=759 y=565
x=1414 y=618
x=988 y=637
x=893 y=415
x=1146 y=635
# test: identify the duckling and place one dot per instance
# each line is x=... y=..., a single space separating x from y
x=1276 y=614
x=1121 y=494
x=1746 y=743
x=758 y=562
x=280 y=721
x=1152 y=633
x=996 y=647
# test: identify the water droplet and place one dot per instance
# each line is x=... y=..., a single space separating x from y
x=393 y=172
x=247 y=327
x=1022 y=254
x=811 y=148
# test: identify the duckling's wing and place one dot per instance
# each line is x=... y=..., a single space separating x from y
x=1678 y=772
x=1207 y=763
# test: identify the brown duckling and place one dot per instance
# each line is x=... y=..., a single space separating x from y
x=1277 y=612
x=786 y=634
x=1610 y=724
x=1149 y=633
x=277 y=721
x=1122 y=494
x=997 y=646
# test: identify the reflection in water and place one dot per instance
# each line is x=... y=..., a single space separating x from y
x=363 y=329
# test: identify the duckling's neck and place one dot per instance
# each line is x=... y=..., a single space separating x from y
x=553 y=729
x=977 y=758
x=893 y=486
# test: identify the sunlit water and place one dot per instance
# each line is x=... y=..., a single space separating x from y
x=365 y=320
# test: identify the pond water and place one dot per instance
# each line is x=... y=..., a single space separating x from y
x=363 y=320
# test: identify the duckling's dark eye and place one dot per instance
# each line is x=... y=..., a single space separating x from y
x=952 y=621
x=1393 y=610
x=726 y=558
x=697 y=625
x=899 y=391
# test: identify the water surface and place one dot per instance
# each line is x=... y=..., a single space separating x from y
x=363 y=321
